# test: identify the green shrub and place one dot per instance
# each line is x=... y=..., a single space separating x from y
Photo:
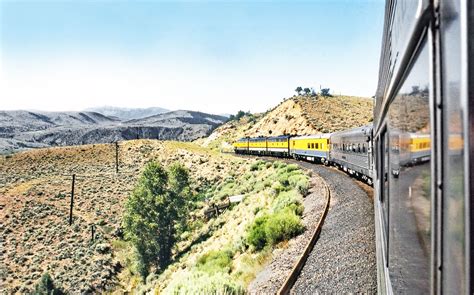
x=293 y=179
x=254 y=166
x=283 y=226
x=215 y=261
x=46 y=286
x=291 y=199
x=283 y=179
x=259 y=165
x=278 y=165
x=225 y=190
x=269 y=229
x=277 y=187
x=303 y=187
x=300 y=182
x=256 y=235
x=259 y=186
x=292 y=167
x=199 y=282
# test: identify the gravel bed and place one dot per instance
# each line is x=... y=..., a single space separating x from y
x=272 y=277
x=343 y=259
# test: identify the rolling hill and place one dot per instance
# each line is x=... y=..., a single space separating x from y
x=24 y=129
x=128 y=113
x=299 y=115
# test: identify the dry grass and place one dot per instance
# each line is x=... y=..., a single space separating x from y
x=34 y=207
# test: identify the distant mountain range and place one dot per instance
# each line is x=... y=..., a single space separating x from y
x=127 y=113
x=25 y=129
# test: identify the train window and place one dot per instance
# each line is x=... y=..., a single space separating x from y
x=358 y=147
x=317 y=145
x=455 y=262
x=408 y=175
x=312 y=145
x=309 y=146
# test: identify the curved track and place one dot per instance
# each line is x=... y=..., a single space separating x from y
x=343 y=260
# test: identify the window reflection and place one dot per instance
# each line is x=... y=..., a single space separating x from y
x=454 y=276
x=410 y=182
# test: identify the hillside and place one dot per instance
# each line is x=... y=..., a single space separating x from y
x=22 y=129
x=300 y=115
x=35 y=187
x=35 y=236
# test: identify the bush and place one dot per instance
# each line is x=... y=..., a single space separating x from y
x=299 y=182
x=256 y=235
x=254 y=166
x=259 y=165
x=294 y=179
x=291 y=199
x=269 y=229
x=215 y=261
x=278 y=165
x=283 y=179
x=303 y=187
x=276 y=188
x=292 y=167
x=283 y=226
x=199 y=282
x=46 y=286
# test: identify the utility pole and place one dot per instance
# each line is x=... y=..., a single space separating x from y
x=72 y=199
x=92 y=232
x=116 y=157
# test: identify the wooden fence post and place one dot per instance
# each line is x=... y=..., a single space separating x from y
x=92 y=232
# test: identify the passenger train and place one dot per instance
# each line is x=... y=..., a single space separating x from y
x=417 y=154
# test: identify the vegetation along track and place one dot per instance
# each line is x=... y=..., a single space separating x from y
x=343 y=260
x=293 y=276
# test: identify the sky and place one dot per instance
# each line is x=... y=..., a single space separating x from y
x=211 y=56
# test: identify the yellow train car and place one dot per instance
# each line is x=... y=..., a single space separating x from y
x=241 y=146
x=314 y=148
x=257 y=145
x=278 y=146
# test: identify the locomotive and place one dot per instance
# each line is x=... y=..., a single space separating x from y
x=417 y=154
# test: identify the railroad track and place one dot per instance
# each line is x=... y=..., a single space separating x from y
x=340 y=256
x=343 y=260
x=293 y=276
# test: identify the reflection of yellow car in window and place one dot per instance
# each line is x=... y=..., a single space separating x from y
x=419 y=148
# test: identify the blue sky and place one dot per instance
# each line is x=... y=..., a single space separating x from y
x=213 y=56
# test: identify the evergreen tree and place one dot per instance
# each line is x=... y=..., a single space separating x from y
x=325 y=92
x=46 y=286
x=298 y=89
x=154 y=212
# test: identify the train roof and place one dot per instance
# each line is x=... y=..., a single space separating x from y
x=315 y=136
x=279 y=136
x=354 y=132
x=260 y=138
